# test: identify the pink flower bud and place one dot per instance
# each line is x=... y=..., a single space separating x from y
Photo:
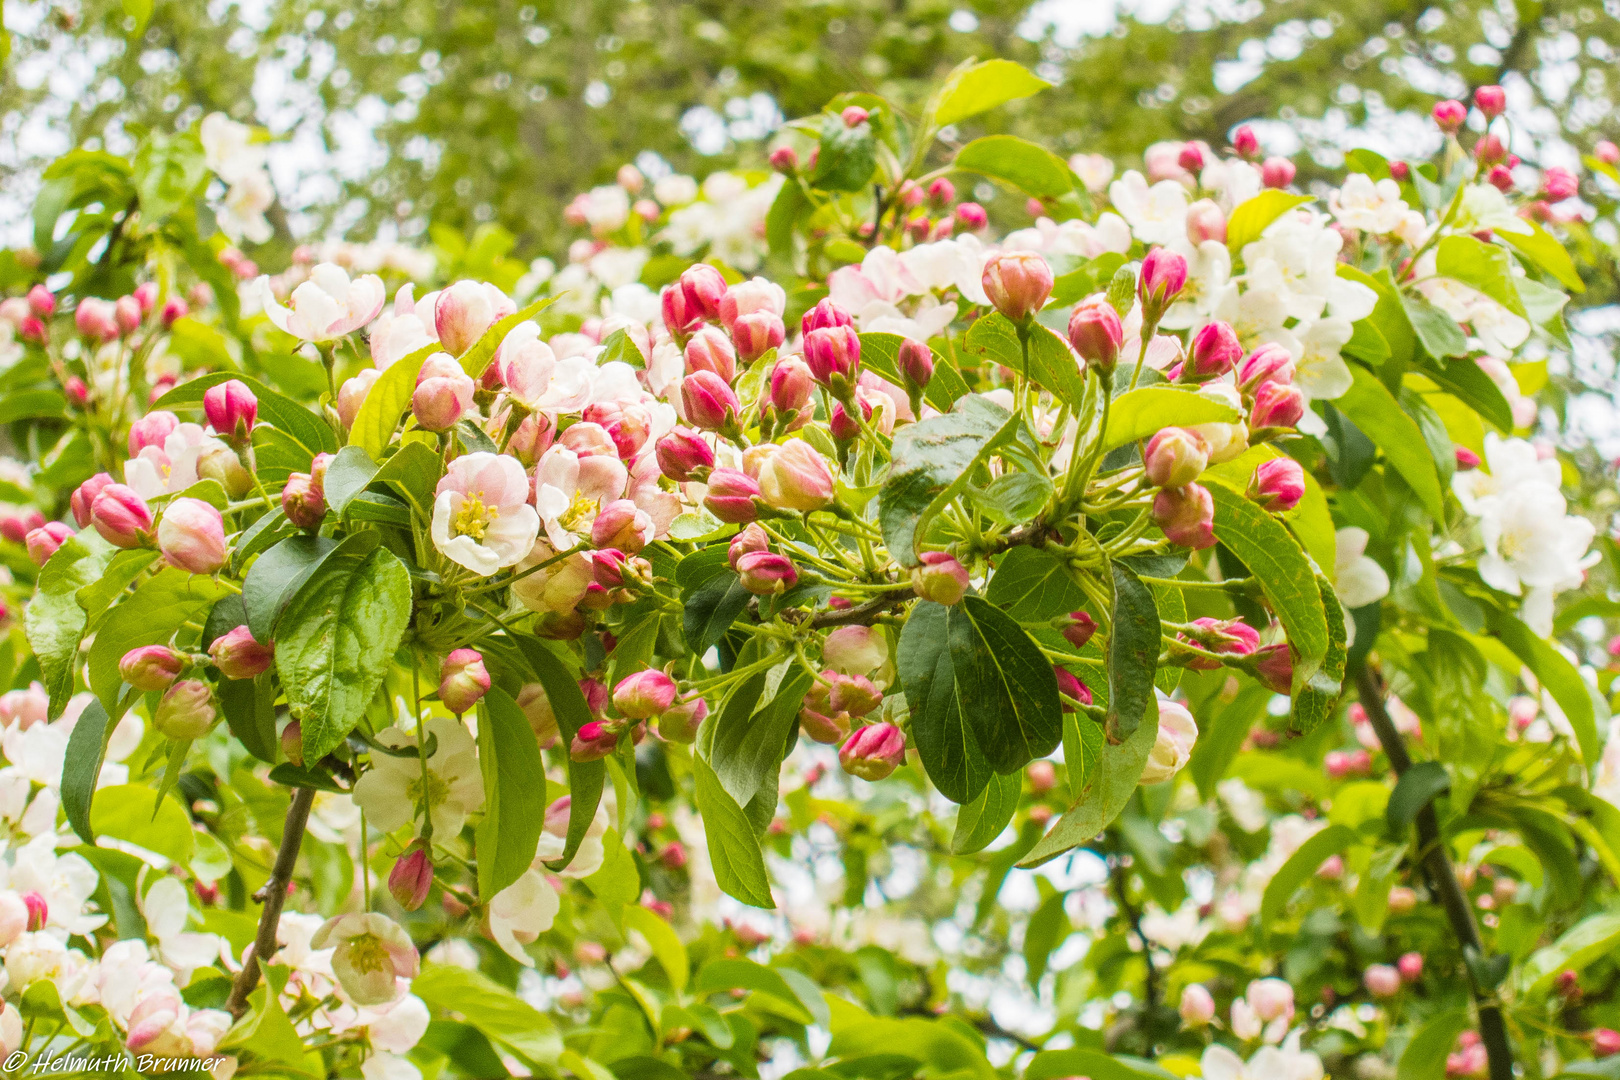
x=352 y=394
x=1490 y=150
x=940 y=578
x=791 y=385
x=1197 y=1006
x=941 y=192
x=854 y=650
x=1402 y=900
x=970 y=216
x=16 y=527
x=1450 y=116
x=32 y=328
x=1410 y=965
x=825 y=314
x=1606 y=152
x=1230 y=637
x=843 y=425
x=231 y=409
x=146 y=295
x=96 y=319
x=623 y=525
x=1079 y=629
x=174 y=309
x=854 y=116
x=682 y=453
x=463 y=681
x=784 y=160
x=238 y=655
x=292 y=743
x=1187 y=516
x=1466 y=459
x=680 y=722
x=1501 y=178
x=39 y=911
x=464 y=311
x=411 y=879
x=1559 y=184
x=1381 y=980
x=818 y=720
x=1491 y=100
x=1095 y=332
x=84 y=497
x=1278 y=485
x=710 y=350
x=1070 y=686
x=303 y=501
x=151 y=667
x=1017 y=283
x=731 y=496
x=186 y=711
x=1274 y=668
x=873 y=752
x=127 y=314
x=703 y=287
x=1400 y=171
x=1175 y=457
x=1276 y=405
x=854 y=694
x=1277 y=172
x=833 y=351
x=796 y=477
x=121 y=516
x=751 y=297
x=1164 y=274
x=708 y=402
x=644 y=695
x=153 y=429
x=42 y=302
x=191 y=535
x=1245 y=142
x=1191 y=157
x=1206 y=221
x=916 y=363
x=43 y=541
x=444 y=392
x=1269 y=363
x=1215 y=351
x=757 y=333
x=1605 y=1042
x=751 y=539
x=764 y=573
x=594 y=741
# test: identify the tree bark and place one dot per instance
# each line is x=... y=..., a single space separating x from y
x=274 y=897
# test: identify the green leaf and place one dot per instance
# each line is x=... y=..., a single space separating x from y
x=1045 y=931
x=1482 y=266
x=789 y=207
x=249 y=707
x=1032 y=584
x=514 y=792
x=1375 y=411
x=616 y=882
x=1593 y=937
x=1278 y=563
x=1558 y=676
x=477 y=358
x=1425 y=1056
x=1222 y=736
x=499 y=1014
x=1300 y=866
x=1032 y=169
x=1538 y=245
x=711 y=608
x=748 y=742
x=336 y=639
x=125 y=812
x=1142 y=412
x=1108 y=788
x=1370 y=162
x=81 y=767
x=879 y=353
x=32 y=405
x=847 y=155
x=347 y=475
x=148 y=617
x=976 y=89
x=1416 y=788
x=1055 y=1064
x=169 y=169
x=979 y=822
x=1314 y=702
x=276 y=577
x=53 y=620
x=413 y=471
x=387 y=401
x=1436 y=331
x=1052 y=365
x=1133 y=655
x=123 y=569
x=1250 y=219
x=1462 y=378
x=585 y=778
x=929 y=458
x=663 y=940
x=719 y=976
x=739 y=866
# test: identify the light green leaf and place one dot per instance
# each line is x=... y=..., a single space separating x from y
x=1482 y=266
x=347 y=476
x=981 y=87
x=663 y=940
x=1140 y=413
x=739 y=867
x=514 y=792
x=1425 y=1056
x=1539 y=246
x=1109 y=787
x=477 y=358
x=617 y=882
x=982 y=820
x=1558 y=676
x=1250 y=219
x=387 y=401
x=1301 y=865
x=1052 y=365
x=1032 y=169
x=718 y=976
x=879 y=353
x=1593 y=937
x=1376 y=412
x=1416 y=788
x=499 y=1014
x=125 y=812
x=1436 y=331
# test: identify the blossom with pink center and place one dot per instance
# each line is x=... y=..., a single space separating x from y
x=326 y=306
x=481 y=514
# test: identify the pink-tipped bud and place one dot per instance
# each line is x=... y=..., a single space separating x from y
x=1274 y=668
x=1467 y=459
x=1276 y=405
x=443 y=394
x=1175 y=457
x=39 y=911
x=1197 y=1006
x=854 y=116
x=680 y=722
x=42 y=302
x=352 y=394
x=186 y=711
x=1278 y=485
x=873 y=752
x=1606 y=152
x=1605 y=1042
x=174 y=309
x=411 y=879
x=703 y=288
x=1079 y=629
x=710 y=350
x=1018 y=283
x=121 y=516
x=96 y=319
x=464 y=311
x=153 y=429
x=16 y=527
x=916 y=363
x=833 y=352
x=1559 y=184
x=43 y=541
x=623 y=525
x=1187 y=516
x=785 y=160
x=1191 y=157
x=1215 y=351
x=1245 y=142
x=1410 y=965
x=146 y=295
x=644 y=695
x=1231 y=637
x=1400 y=171
x=594 y=741
x=708 y=402
x=1381 y=980
x=751 y=539
x=940 y=577
x=731 y=496
x=84 y=497
x=1206 y=221
x=1071 y=687
x=1269 y=363
x=1277 y=172
x=791 y=385
x=1096 y=333
x=1491 y=100
x=825 y=314
x=151 y=667
x=127 y=314
x=757 y=333
x=238 y=655
x=843 y=425
x=463 y=681
x=231 y=409
x=970 y=216
x=191 y=535
x=942 y=192
x=1164 y=274
x=765 y=573
x=303 y=501
x=683 y=454
x=1490 y=150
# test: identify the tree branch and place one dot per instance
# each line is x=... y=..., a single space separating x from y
x=1442 y=879
x=274 y=896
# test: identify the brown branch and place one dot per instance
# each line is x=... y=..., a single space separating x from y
x=274 y=896
x=1442 y=879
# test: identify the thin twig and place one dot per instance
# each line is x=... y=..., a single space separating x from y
x=274 y=896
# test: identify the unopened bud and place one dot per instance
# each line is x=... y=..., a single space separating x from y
x=151 y=667
x=873 y=752
x=238 y=655
x=232 y=409
x=186 y=711
x=940 y=578
x=1187 y=516
x=463 y=681
x=766 y=573
x=1018 y=283
x=411 y=879
x=1278 y=485
x=1175 y=457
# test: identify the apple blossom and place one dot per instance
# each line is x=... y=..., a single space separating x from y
x=326 y=306
x=191 y=536
x=482 y=519
x=370 y=954
x=873 y=752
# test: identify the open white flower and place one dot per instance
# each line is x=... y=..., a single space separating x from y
x=391 y=789
x=326 y=306
x=481 y=514
x=521 y=912
x=1157 y=214
x=228 y=147
x=1368 y=206
x=167 y=909
x=1358 y=580
x=241 y=216
x=569 y=489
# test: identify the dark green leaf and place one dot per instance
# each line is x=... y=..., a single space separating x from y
x=272 y=581
x=1052 y=365
x=1316 y=697
x=1108 y=788
x=514 y=793
x=1133 y=655
x=847 y=156
x=739 y=867
x=81 y=767
x=979 y=822
x=347 y=475
x=711 y=608
x=1416 y=788
x=1425 y=1056
x=928 y=459
x=585 y=778
x=749 y=742
x=54 y=621
x=1462 y=378
x=1558 y=676
x=1376 y=412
